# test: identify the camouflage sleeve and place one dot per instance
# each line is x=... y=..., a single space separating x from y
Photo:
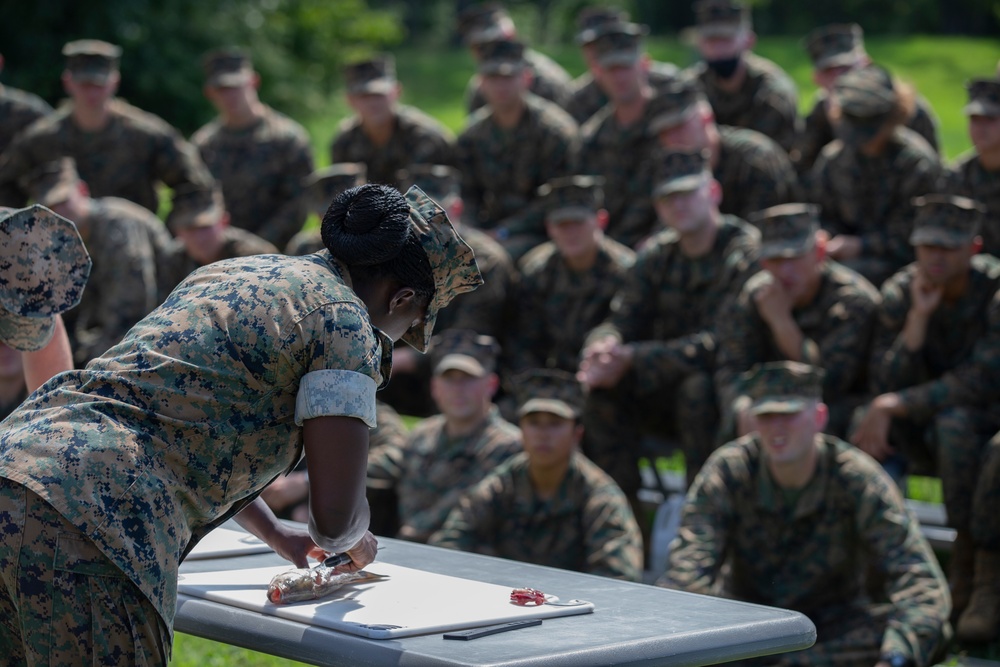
x=638 y=219
x=472 y=190
x=612 y=540
x=177 y=162
x=892 y=365
x=823 y=192
x=740 y=343
x=555 y=152
x=842 y=349
x=656 y=360
x=13 y=166
x=287 y=220
x=914 y=581
x=892 y=238
x=632 y=308
x=528 y=349
x=698 y=551
x=777 y=118
x=386 y=446
x=470 y=526
x=816 y=133
x=770 y=180
x=925 y=123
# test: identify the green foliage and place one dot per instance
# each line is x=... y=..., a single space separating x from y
x=191 y=651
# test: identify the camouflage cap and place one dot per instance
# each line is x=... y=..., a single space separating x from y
x=52 y=183
x=782 y=387
x=673 y=104
x=835 y=45
x=227 y=68
x=503 y=57
x=323 y=185
x=984 y=98
x=620 y=44
x=592 y=22
x=867 y=92
x=946 y=221
x=721 y=17
x=464 y=350
x=483 y=23
x=786 y=230
x=195 y=206
x=91 y=60
x=572 y=197
x=452 y=262
x=376 y=75
x=43 y=269
x=552 y=391
x=680 y=171
x=439 y=181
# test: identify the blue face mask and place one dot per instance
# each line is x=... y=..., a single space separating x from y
x=724 y=68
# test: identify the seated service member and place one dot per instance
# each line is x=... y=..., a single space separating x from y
x=796 y=515
x=801 y=307
x=449 y=453
x=649 y=366
x=384 y=134
x=18 y=110
x=835 y=50
x=744 y=89
x=258 y=156
x=755 y=173
x=567 y=283
x=319 y=189
x=549 y=505
x=248 y=365
x=934 y=314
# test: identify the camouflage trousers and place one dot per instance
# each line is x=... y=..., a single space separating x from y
x=62 y=602
x=615 y=421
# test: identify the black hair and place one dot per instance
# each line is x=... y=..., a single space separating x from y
x=368 y=228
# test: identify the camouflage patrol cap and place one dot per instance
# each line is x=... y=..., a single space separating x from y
x=483 y=23
x=91 y=60
x=721 y=17
x=620 y=44
x=572 y=197
x=376 y=75
x=592 y=22
x=782 y=387
x=551 y=391
x=867 y=92
x=439 y=181
x=227 y=68
x=195 y=206
x=835 y=45
x=984 y=98
x=503 y=57
x=680 y=171
x=452 y=262
x=43 y=269
x=673 y=105
x=53 y=182
x=946 y=221
x=323 y=185
x=464 y=350
x=786 y=230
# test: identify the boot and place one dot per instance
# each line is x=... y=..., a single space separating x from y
x=961 y=562
x=980 y=622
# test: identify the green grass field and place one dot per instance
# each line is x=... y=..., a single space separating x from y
x=435 y=80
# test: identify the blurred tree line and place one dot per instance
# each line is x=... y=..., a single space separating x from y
x=298 y=46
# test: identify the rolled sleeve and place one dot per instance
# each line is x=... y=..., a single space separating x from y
x=336 y=393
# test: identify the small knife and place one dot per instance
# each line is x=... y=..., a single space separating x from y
x=340 y=559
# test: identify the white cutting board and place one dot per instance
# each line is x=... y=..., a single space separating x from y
x=223 y=542
x=410 y=602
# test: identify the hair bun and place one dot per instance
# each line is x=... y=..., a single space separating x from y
x=366 y=225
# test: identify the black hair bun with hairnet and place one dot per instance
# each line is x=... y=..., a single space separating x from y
x=366 y=225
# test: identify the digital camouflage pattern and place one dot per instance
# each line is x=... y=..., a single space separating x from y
x=44 y=266
x=465 y=350
x=376 y=75
x=557 y=306
x=587 y=98
x=502 y=170
x=968 y=177
x=551 y=391
x=766 y=102
x=179 y=426
x=129 y=158
x=260 y=170
x=835 y=45
x=869 y=197
x=679 y=171
x=416 y=139
x=755 y=173
x=946 y=221
x=666 y=310
x=787 y=230
x=782 y=387
x=549 y=81
x=806 y=555
x=177 y=264
x=587 y=526
x=438 y=469
x=18 y=110
x=836 y=328
x=721 y=17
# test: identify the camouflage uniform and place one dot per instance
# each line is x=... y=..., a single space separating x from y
x=587 y=97
x=836 y=325
x=318 y=190
x=173 y=432
x=386 y=452
x=804 y=550
x=238 y=243
x=969 y=177
x=18 y=110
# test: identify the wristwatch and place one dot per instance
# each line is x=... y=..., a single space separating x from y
x=897 y=659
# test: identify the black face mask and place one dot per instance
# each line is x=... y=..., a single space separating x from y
x=725 y=68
